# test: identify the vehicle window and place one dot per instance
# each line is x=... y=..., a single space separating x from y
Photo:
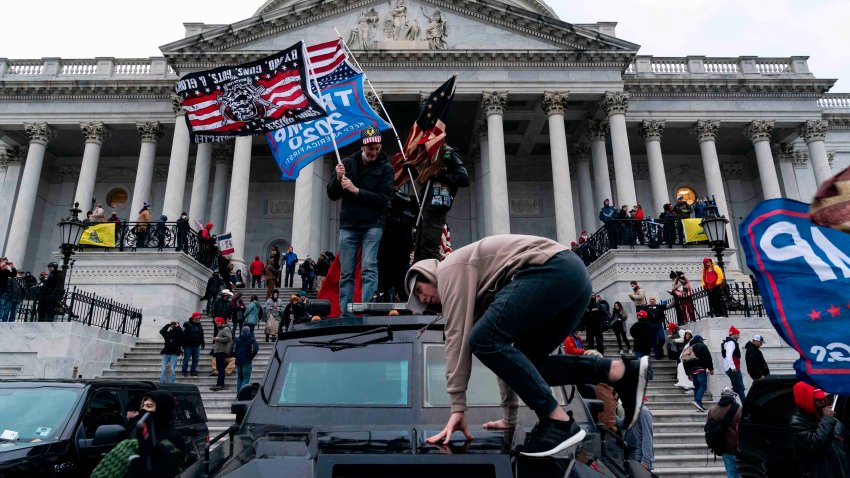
x=103 y=409
x=36 y=413
x=375 y=375
x=189 y=409
x=483 y=388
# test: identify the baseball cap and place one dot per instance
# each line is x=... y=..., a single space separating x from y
x=196 y=315
x=642 y=314
x=370 y=134
x=818 y=394
x=302 y=293
x=759 y=338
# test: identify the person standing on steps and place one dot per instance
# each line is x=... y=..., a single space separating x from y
x=731 y=354
x=655 y=317
x=252 y=313
x=619 y=316
x=244 y=351
x=222 y=344
x=698 y=366
x=756 y=364
x=472 y=288
x=642 y=334
x=271 y=277
x=290 y=261
x=729 y=413
x=256 y=269
x=193 y=343
x=173 y=335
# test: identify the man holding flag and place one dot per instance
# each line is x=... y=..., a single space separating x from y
x=364 y=183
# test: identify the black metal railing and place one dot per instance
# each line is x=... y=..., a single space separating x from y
x=630 y=233
x=131 y=236
x=37 y=304
x=737 y=300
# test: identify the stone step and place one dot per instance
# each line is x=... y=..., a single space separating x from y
x=679 y=449
x=145 y=360
x=674 y=397
x=665 y=438
x=690 y=472
x=683 y=405
x=695 y=460
x=678 y=416
x=203 y=379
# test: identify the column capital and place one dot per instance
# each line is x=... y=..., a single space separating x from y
x=223 y=151
x=651 y=130
x=177 y=105
x=149 y=131
x=39 y=133
x=12 y=155
x=705 y=130
x=783 y=153
x=372 y=98
x=581 y=152
x=616 y=102
x=493 y=103
x=597 y=130
x=800 y=158
x=830 y=156
x=95 y=132
x=759 y=130
x=555 y=102
x=814 y=130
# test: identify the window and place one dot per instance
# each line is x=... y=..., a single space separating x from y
x=378 y=374
x=117 y=198
x=688 y=193
x=103 y=409
x=36 y=413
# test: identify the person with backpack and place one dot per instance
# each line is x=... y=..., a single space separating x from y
x=222 y=348
x=698 y=366
x=721 y=430
x=731 y=354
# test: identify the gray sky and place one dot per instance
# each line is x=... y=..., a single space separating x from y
x=817 y=28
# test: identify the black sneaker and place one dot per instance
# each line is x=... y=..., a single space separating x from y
x=632 y=388
x=551 y=436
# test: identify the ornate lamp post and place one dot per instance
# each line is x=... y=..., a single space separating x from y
x=71 y=228
x=714 y=226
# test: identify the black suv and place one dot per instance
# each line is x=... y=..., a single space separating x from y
x=765 y=447
x=358 y=397
x=65 y=427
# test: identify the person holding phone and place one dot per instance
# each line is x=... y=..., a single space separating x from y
x=820 y=439
x=173 y=335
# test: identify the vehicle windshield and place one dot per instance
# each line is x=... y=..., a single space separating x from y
x=378 y=374
x=35 y=414
x=483 y=388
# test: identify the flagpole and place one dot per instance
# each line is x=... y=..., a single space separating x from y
x=378 y=97
x=322 y=100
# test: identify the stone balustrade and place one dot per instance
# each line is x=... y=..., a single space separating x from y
x=832 y=101
x=112 y=68
x=644 y=65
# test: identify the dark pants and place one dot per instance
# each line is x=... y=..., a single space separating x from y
x=620 y=333
x=220 y=365
x=613 y=233
x=306 y=283
x=183 y=242
x=737 y=380
x=256 y=280
x=289 y=277
x=195 y=354
x=428 y=234
x=594 y=336
x=529 y=318
x=715 y=302
x=658 y=340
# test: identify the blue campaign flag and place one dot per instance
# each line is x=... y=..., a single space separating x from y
x=348 y=113
x=803 y=272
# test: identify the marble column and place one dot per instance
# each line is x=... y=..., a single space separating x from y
x=785 y=158
x=149 y=133
x=596 y=133
x=651 y=131
x=759 y=133
x=39 y=134
x=11 y=167
x=588 y=208
x=554 y=104
x=705 y=131
x=178 y=166
x=615 y=104
x=307 y=210
x=486 y=210
x=200 y=184
x=223 y=153
x=95 y=133
x=814 y=133
x=494 y=108
x=237 y=205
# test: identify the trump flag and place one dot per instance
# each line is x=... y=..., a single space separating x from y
x=803 y=273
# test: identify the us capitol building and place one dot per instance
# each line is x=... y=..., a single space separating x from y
x=551 y=118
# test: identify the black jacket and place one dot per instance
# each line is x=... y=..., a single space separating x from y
x=375 y=181
x=655 y=314
x=246 y=349
x=756 y=365
x=173 y=340
x=641 y=331
x=193 y=334
x=214 y=286
x=820 y=446
x=703 y=360
x=453 y=174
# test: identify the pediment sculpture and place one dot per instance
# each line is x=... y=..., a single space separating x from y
x=402 y=30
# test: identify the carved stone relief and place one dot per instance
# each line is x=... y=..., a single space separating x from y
x=403 y=29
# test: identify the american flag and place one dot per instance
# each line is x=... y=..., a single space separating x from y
x=249 y=99
x=330 y=63
x=426 y=136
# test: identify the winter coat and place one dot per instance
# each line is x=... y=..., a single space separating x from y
x=237 y=310
x=257 y=267
x=173 y=340
x=252 y=313
x=642 y=334
x=367 y=209
x=703 y=361
x=323 y=265
x=683 y=210
x=144 y=221
x=246 y=347
x=716 y=414
x=291 y=259
x=607 y=213
x=271 y=272
x=225 y=337
x=820 y=442
x=193 y=334
x=453 y=174
x=221 y=307
x=711 y=276
x=573 y=346
x=756 y=365
x=655 y=314
x=183 y=226
x=214 y=286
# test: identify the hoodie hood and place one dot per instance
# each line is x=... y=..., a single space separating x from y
x=208 y=226
x=165 y=405
x=750 y=345
x=804 y=398
x=705 y=262
x=428 y=269
x=163 y=218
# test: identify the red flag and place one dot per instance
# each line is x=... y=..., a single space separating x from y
x=330 y=287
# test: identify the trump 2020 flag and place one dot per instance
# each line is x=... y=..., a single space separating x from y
x=225 y=244
x=249 y=99
x=803 y=272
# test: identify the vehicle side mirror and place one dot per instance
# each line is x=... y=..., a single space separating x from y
x=240 y=409
x=108 y=435
x=248 y=392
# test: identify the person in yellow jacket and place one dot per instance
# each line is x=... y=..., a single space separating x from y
x=712 y=281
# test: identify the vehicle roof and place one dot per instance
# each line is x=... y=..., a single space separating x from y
x=360 y=324
x=98 y=382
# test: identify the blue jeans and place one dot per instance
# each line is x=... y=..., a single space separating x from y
x=700 y=384
x=243 y=376
x=529 y=318
x=171 y=377
x=658 y=340
x=731 y=463
x=737 y=380
x=5 y=305
x=195 y=354
x=349 y=241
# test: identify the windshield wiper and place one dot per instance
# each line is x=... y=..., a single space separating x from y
x=342 y=342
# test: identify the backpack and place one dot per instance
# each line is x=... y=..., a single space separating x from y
x=715 y=431
x=301 y=269
x=735 y=353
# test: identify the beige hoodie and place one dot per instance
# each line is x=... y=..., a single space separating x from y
x=467 y=280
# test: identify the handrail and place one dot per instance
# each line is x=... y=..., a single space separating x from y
x=731 y=300
x=616 y=233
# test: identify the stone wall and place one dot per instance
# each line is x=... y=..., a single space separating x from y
x=53 y=349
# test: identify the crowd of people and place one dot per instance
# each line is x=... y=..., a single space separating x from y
x=16 y=287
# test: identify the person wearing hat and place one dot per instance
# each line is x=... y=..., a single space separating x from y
x=642 y=334
x=51 y=293
x=511 y=300
x=221 y=349
x=819 y=438
x=731 y=354
x=143 y=226
x=364 y=183
x=717 y=414
x=193 y=343
x=756 y=364
x=712 y=281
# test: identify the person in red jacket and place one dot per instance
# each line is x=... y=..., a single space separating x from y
x=256 y=268
x=572 y=345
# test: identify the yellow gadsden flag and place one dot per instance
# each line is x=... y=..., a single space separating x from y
x=102 y=235
x=693 y=230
